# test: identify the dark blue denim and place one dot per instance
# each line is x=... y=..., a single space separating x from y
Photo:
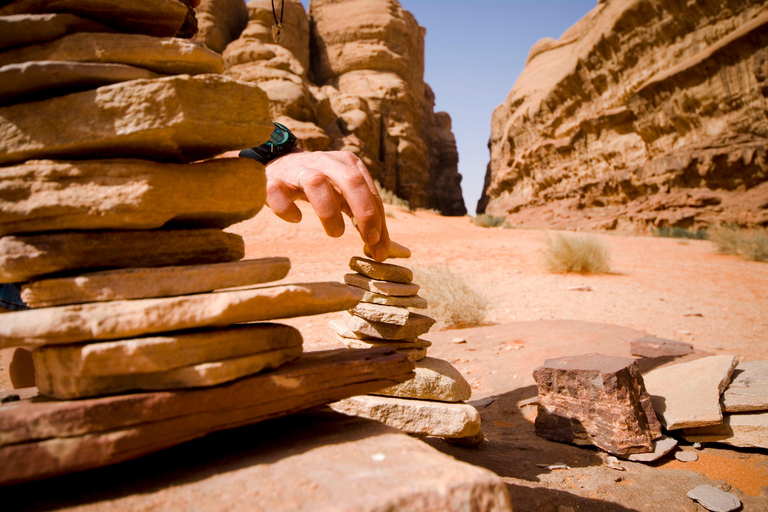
x=10 y=297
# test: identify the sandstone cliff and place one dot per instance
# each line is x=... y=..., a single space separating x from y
x=645 y=112
x=349 y=75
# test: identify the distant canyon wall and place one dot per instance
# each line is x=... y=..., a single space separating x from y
x=644 y=113
x=349 y=75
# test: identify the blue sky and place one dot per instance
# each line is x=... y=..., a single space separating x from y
x=475 y=50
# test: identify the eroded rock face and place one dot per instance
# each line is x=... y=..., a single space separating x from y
x=220 y=22
x=643 y=113
x=350 y=76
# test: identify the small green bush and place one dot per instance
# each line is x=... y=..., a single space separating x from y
x=452 y=302
x=583 y=254
x=674 y=232
x=489 y=221
x=750 y=244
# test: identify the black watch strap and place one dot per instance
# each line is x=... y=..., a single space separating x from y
x=281 y=141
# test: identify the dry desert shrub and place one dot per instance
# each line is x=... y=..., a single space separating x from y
x=750 y=244
x=675 y=232
x=583 y=254
x=488 y=221
x=389 y=197
x=452 y=301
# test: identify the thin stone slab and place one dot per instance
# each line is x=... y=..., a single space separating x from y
x=396 y=250
x=661 y=447
x=415 y=350
x=414 y=301
x=162 y=18
x=421 y=417
x=101 y=431
x=688 y=395
x=25 y=257
x=714 y=499
x=381 y=287
x=26 y=29
x=687 y=456
x=144 y=283
x=381 y=271
x=123 y=319
x=168 y=56
x=744 y=429
x=67 y=387
x=651 y=346
x=34 y=81
x=172 y=118
x=378 y=313
x=748 y=390
x=435 y=379
x=46 y=195
x=163 y=353
x=597 y=400
x=416 y=326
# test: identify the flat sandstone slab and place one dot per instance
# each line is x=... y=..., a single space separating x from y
x=381 y=287
x=68 y=387
x=144 y=283
x=26 y=29
x=26 y=257
x=414 y=301
x=687 y=395
x=179 y=118
x=748 y=390
x=744 y=429
x=435 y=379
x=414 y=416
x=163 y=353
x=378 y=313
x=651 y=346
x=129 y=318
x=381 y=271
x=168 y=56
x=47 y=195
x=415 y=326
x=151 y=17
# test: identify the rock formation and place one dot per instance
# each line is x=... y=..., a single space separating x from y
x=349 y=75
x=644 y=112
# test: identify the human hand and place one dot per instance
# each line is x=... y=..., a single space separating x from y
x=332 y=182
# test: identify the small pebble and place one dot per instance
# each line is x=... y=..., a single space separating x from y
x=378 y=457
x=697 y=445
x=458 y=340
x=686 y=456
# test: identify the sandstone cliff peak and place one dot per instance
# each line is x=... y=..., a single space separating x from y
x=643 y=113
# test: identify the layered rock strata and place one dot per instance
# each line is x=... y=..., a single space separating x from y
x=432 y=402
x=633 y=118
x=349 y=76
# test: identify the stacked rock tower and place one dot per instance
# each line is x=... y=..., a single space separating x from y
x=432 y=402
x=112 y=216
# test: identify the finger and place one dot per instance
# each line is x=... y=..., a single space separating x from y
x=280 y=202
x=359 y=192
x=322 y=197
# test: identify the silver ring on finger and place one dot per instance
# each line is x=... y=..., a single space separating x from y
x=298 y=179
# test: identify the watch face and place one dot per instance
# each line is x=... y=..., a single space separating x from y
x=279 y=136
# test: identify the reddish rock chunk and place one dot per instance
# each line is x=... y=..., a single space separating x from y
x=595 y=400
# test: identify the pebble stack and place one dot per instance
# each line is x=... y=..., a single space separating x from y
x=112 y=209
x=432 y=402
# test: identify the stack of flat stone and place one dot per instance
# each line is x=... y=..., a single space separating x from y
x=116 y=233
x=432 y=402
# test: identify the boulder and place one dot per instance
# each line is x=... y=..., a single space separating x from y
x=744 y=429
x=144 y=283
x=220 y=22
x=381 y=271
x=420 y=417
x=26 y=257
x=377 y=313
x=381 y=287
x=748 y=389
x=415 y=326
x=46 y=195
x=435 y=379
x=169 y=118
x=26 y=29
x=595 y=400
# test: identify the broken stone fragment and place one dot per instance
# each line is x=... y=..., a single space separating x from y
x=687 y=456
x=26 y=29
x=687 y=395
x=171 y=118
x=46 y=195
x=748 y=390
x=744 y=429
x=414 y=416
x=144 y=283
x=396 y=250
x=381 y=287
x=25 y=257
x=163 y=353
x=714 y=499
x=415 y=301
x=379 y=313
x=122 y=319
x=161 y=18
x=381 y=271
x=661 y=447
x=168 y=56
x=651 y=346
x=415 y=326
x=595 y=400
x=435 y=379
x=65 y=386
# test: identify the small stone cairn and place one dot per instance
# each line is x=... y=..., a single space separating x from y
x=112 y=211
x=432 y=402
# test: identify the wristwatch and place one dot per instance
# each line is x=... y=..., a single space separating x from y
x=281 y=141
